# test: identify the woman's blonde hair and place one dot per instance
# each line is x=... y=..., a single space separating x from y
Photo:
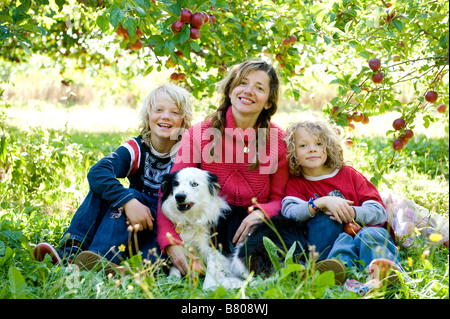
x=182 y=99
x=326 y=133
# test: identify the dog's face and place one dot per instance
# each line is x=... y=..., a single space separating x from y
x=187 y=189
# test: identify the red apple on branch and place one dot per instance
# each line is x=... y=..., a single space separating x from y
x=197 y=20
x=358 y=116
x=176 y=26
x=377 y=77
x=374 y=64
x=349 y=141
x=139 y=33
x=186 y=15
x=398 y=124
x=194 y=34
x=431 y=96
x=441 y=108
x=212 y=19
x=365 y=120
x=409 y=134
x=136 y=46
x=398 y=144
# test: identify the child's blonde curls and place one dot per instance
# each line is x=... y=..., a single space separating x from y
x=326 y=134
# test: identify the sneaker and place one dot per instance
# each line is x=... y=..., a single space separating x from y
x=62 y=256
x=43 y=249
x=384 y=271
x=89 y=260
x=359 y=288
x=335 y=266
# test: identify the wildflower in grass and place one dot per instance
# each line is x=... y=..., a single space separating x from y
x=417 y=231
x=410 y=261
x=425 y=254
x=435 y=238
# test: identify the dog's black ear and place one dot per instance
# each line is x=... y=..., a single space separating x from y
x=213 y=184
x=166 y=185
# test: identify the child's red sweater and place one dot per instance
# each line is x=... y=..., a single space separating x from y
x=239 y=184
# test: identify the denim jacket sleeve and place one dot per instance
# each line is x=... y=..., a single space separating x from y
x=103 y=177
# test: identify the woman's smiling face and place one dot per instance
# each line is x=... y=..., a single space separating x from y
x=251 y=95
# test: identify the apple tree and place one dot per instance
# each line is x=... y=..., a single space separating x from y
x=371 y=49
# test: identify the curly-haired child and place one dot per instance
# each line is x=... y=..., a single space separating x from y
x=325 y=192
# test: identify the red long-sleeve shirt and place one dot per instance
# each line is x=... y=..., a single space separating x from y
x=239 y=184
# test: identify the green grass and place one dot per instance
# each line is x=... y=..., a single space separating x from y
x=43 y=180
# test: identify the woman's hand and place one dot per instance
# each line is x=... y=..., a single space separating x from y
x=138 y=214
x=247 y=225
x=176 y=254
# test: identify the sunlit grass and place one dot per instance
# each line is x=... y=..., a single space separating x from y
x=45 y=213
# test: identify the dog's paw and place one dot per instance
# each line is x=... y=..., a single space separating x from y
x=174 y=272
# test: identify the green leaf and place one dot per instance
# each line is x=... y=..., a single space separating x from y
x=398 y=25
x=290 y=255
x=16 y=283
x=31 y=28
x=355 y=88
x=115 y=16
x=27 y=50
x=290 y=268
x=323 y=281
x=364 y=54
x=272 y=250
x=170 y=46
x=5 y=17
x=60 y=4
x=103 y=23
x=338 y=81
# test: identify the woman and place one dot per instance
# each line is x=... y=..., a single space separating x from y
x=246 y=151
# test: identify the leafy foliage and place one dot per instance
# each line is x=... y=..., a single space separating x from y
x=335 y=38
x=42 y=172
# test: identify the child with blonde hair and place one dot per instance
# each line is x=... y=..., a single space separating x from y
x=99 y=226
x=326 y=193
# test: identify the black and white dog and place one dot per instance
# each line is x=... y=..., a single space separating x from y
x=190 y=200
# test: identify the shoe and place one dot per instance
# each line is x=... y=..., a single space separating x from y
x=359 y=288
x=89 y=260
x=43 y=249
x=384 y=271
x=335 y=266
x=62 y=256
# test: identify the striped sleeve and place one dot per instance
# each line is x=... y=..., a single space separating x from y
x=135 y=155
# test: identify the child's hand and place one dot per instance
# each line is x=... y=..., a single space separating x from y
x=138 y=214
x=339 y=209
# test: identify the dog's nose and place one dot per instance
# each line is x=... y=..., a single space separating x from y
x=180 y=197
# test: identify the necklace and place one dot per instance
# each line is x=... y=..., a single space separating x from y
x=246 y=149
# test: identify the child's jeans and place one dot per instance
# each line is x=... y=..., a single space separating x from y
x=368 y=244
x=103 y=229
x=322 y=233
